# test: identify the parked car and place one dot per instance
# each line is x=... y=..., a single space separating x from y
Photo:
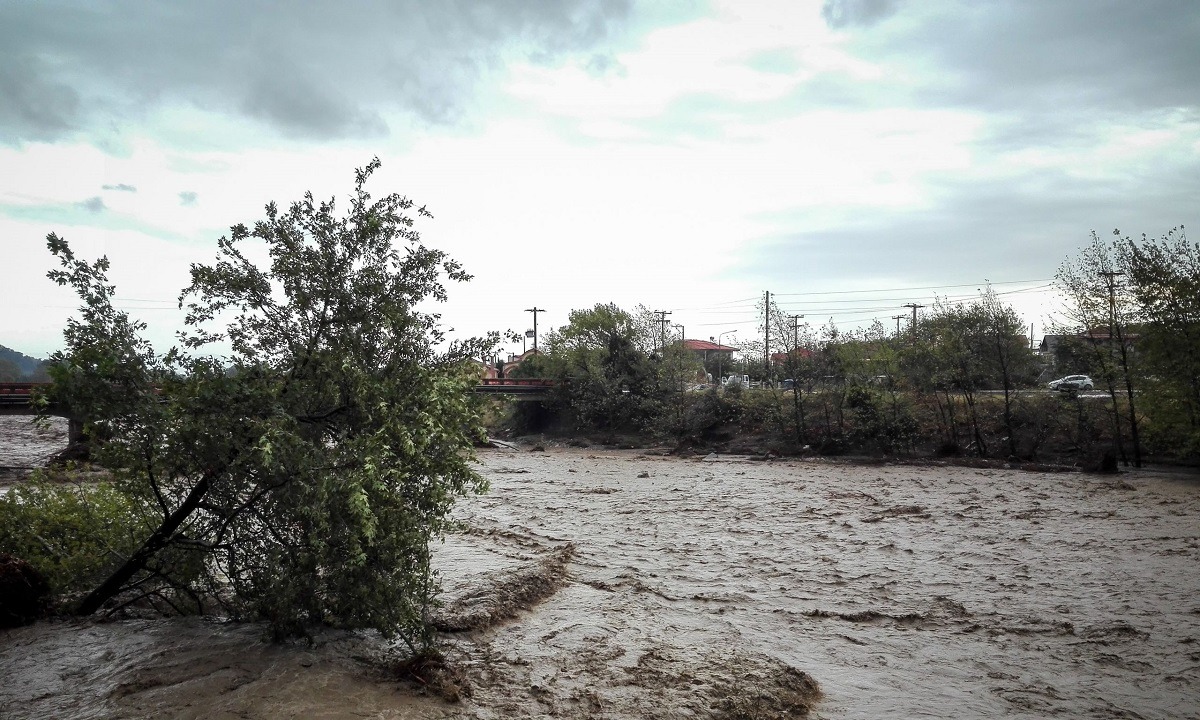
x=1073 y=382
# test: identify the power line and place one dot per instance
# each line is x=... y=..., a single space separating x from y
x=732 y=306
x=927 y=287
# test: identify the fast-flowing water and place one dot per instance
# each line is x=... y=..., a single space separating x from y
x=904 y=591
x=25 y=446
x=700 y=587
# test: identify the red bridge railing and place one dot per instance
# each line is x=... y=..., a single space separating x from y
x=18 y=393
x=508 y=382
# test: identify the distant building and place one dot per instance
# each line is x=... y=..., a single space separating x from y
x=704 y=349
x=1069 y=350
x=514 y=361
x=487 y=371
x=1049 y=344
x=781 y=358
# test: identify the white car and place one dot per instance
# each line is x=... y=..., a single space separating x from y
x=1073 y=382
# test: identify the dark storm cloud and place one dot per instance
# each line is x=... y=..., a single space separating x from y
x=310 y=69
x=1067 y=56
x=188 y=198
x=1021 y=228
x=34 y=105
x=121 y=187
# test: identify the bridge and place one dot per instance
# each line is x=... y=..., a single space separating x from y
x=517 y=388
x=16 y=398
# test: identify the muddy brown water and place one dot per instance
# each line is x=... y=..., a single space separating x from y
x=705 y=587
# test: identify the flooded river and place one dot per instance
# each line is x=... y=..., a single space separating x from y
x=709 y=587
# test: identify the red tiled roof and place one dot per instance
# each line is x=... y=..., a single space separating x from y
x=781 y=357
x=704 y=345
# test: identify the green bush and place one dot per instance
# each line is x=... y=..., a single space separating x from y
x=72 y=533
x=707 y=417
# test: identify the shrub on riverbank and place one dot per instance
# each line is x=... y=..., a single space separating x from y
x=868 y=421
x=71 y=532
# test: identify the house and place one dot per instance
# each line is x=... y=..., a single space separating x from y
x=1069 y=350
x=486 y=371
x=797 y=354
x=514 y=361
x=1049 y=344
x=705 y=349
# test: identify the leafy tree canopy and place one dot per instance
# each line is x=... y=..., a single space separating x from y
x=305 y=442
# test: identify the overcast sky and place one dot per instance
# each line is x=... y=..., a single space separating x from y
x=850 y=156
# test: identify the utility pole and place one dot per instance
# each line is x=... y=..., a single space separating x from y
x=683 y=336
x=1115 y=333
x=662 y=328
x=914 y=307
x=795 y=330
x=1112 y=298
x=897 y=318
x=535 y=310
x=767 y=335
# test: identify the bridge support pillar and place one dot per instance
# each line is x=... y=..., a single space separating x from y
x=75 y=431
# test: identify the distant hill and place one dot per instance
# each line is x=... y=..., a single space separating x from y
x=17 y=366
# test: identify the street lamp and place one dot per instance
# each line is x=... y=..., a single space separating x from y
x=720 y=352
x=535 y=310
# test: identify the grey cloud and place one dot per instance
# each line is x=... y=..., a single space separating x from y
x=310 y=70
x=843 y=13
x=1063 y=57
x=1017 y=229
x=121 y=187
x=188 y=198
x=92 y=204
x=33 y=105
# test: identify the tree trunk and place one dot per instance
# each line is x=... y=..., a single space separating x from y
x=1133 y=423
x=156 y=542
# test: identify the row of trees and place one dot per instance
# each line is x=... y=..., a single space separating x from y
x=1133 y=323
x=615 y=373
x=951 y=383
x=863 y=387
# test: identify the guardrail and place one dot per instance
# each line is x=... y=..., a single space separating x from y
x=509 y=382
x=18 y=394
x=514 y=386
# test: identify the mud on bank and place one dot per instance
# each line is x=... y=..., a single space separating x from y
x=539 y=664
